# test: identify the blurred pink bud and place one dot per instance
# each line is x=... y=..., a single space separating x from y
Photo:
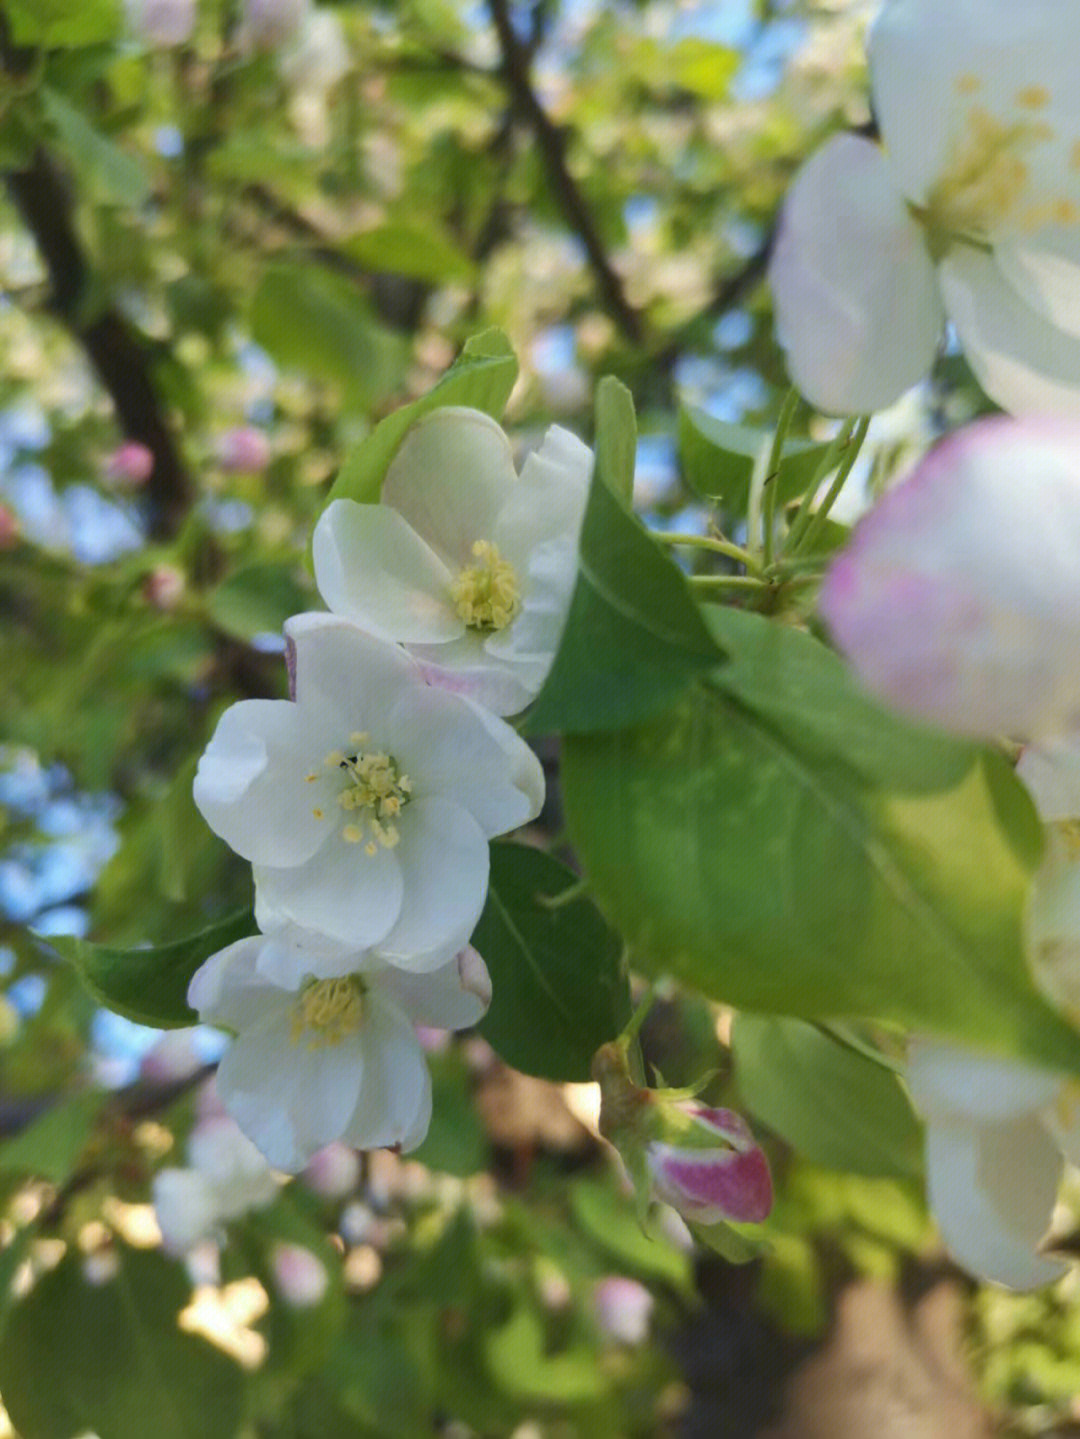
x=715 y=1171
x=268 y=23
x=161 y=22
x=623 y=1308
x=130 y=464
x=163 y=588
x=473 y=973
x=433 y=1041
x=301 y=1277
x=244 y=450
x=9 y=528
x=958 y=597
x=172 y=1057
x=333 y=1172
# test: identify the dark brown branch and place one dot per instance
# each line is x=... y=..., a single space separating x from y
x=117 y=354
x=552 y=143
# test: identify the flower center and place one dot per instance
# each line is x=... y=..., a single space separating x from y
x=487 y=595
x=374 y=794
x=985 y=183
x=328 y=1011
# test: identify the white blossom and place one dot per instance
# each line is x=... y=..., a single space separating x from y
x=970 y=210
x=325 y=1047
x=464 y=562
x=997 y=1135
x=366 y=804
x=226 y=1176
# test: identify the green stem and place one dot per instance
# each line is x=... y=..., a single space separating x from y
x=825 y=464
x=772 y=472
x=821 y=514
x=707 y=542
x=706 y=583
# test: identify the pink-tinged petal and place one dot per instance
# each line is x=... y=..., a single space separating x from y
x=343 y=892
x=251 y=786
x=857 y=306
x=707 y=1186
x=470 y=757
x=450 y=479
x=992 y=1189
x=374 y=569
x=958 y=598
x=725 y=1123
x=464 y=667
x=444 y=867
x=1023 y=361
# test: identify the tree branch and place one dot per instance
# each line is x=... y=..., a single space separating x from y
x=117 y=354
x=552 y=143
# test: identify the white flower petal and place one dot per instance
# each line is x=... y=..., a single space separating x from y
x=532 y=641
x=947 y=1082
x=186 y=1207
x=374 y=569
x=465 y=667
x=456 y=996
x=548 y=501
x=226 y=990
x=343 y=892
x=289 y=955
x=857 y=307
x=992 y=1189
x=250 y=783
x=933 y=64
x=1051 y=773
x=290 y=1099
x=444 y=866
x=394 y=1105
x=1022 y=361
x=467 y=755
x=346 y=680
x=1052 y=927
x=450 y=479
x=1044 y=270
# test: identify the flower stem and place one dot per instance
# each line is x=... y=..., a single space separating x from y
x=830 y=458
x=821 y=514
x=707 y=542
x=704 y=584
x=772 y=473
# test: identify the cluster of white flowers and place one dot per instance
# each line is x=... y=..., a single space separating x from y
x=366 y=801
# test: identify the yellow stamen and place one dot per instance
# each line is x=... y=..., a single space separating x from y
x=328 y=1011
x=487 y=595
x=375 y=792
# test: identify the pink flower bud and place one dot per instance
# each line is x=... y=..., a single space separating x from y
x=473 y=973
x=333 y=1172
x=130 y=464
x=267 y=24
x=9 y=528
x=715 y=1172
x=172 y=1057
x=161 y=22
x=300 y=1276
x=958 y=598
x=244 y=450
x=623 y=1308
x=163 y=588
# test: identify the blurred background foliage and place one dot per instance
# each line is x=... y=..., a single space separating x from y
x=242 y=261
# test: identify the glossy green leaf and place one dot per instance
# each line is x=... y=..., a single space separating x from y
x=616 y=437
x=783 y=845
x=558 y=989
x=481 y=378
x=109 y=1358
x=109 y=172
x=150 y=985
x=634 y=639
x=718 y=458
x=828 y=1102
x=318 y=322
x=259 y=599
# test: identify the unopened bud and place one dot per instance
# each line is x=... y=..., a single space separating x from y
x=244 y=450
x=473 y=973
x=266 y=24
x=333 y=1172
x=300 y=1276
x=9 y=528
x=163 y=588
x=161 y=22
x=130 y=464
x=623 y=1308
x=715 y=1171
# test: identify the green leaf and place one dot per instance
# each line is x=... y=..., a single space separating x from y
x=718 y=459
x=520 y=1365
x=609 y=1219
x=318 y=322
x=110 y=1358
x=558 y=990
x=616 y=438
x=259 y=599
x=63 y=24
x=150 y=985
x=481 y=378
x=782 y=844
x=50 y=1148
x=109 y=173
x=634 y=638
x=831 y=1104
x=419 y=252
